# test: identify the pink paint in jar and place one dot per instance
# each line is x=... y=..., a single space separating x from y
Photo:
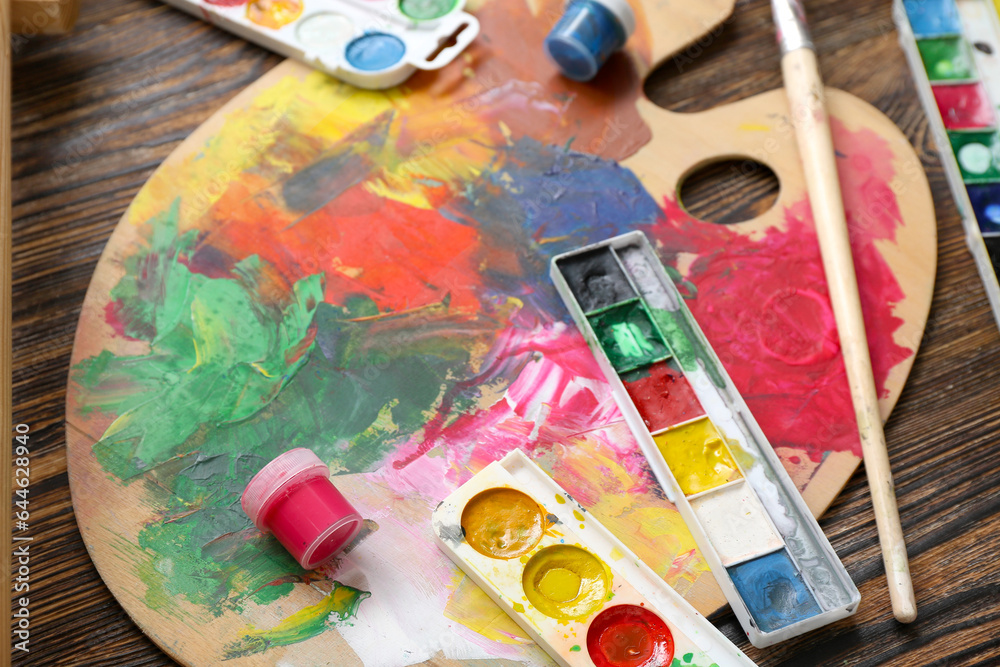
x=293 y=498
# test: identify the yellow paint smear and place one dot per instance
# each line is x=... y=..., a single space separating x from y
x=754 y=127
x=648 y=524
x=473 y=608
x=503 y=523
x=697 y=456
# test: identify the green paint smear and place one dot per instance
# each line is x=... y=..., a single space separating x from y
x=423 y=10
x=685 y=341
x=693 y=660
x=219 y=351
x=239 y=370
x=574 y=648
x=340 y=605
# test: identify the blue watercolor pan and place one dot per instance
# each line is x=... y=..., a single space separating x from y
x=774 y=591
x=933 y=18
x=985 y=200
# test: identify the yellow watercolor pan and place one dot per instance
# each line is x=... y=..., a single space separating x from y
x=698 y=456
x=580 y=593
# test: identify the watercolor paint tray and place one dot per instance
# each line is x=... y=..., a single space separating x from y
x=766 y=550
x=953 y=47
x=583 y=596
x=372 y=44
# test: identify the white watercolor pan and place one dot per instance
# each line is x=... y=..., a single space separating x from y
x=766 y=550
x=371 y=44
x=630 y=597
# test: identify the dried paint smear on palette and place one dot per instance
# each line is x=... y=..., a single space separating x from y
x=369 y=43
x=954 y=51
x=566 y=580
x=767 y=552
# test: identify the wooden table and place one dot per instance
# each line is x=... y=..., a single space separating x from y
x=95 y=112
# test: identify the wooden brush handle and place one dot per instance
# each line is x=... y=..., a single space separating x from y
x=812 y=129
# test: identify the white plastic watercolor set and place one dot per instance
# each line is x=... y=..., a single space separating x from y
x=584 y=597
x=372 y=44
x=953 y=47
x=772 y=561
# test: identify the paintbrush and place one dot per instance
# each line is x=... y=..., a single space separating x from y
x=807 y=103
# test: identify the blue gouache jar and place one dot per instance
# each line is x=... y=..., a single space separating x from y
x=587 y=34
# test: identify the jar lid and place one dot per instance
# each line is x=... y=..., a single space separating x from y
x=274 y=480
x=623 y=12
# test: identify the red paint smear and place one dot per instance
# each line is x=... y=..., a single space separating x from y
x=400 y=256
x=111 y=316
x=964 y=107
x=226 y=3
x=664 y=397
x=764 y=306
x=559 y=394
x=629 y=636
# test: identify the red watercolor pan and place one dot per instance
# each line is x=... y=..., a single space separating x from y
x=662 y=395
x=629 y=636
x=964 y=106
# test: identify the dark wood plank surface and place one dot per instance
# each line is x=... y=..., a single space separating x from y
x=96 y=111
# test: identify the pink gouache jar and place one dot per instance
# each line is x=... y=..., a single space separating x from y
x=293 y=498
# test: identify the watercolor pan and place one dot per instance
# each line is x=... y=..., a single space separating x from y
x=962 y=102
x=371 y=44
x=709 y=454
x=580 y=593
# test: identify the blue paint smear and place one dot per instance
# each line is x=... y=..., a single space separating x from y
x=544 y=201
x=375 y=51
x=985 y=200
x=933 y=18
x=773 y=591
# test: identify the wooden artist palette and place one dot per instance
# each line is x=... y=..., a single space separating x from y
x=565 y=579
x=365 y=274
x=777 y=569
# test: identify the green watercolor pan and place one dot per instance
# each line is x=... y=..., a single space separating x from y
x=580 y=593
x=768 y=554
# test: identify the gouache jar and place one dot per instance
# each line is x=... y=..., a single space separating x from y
x=587 y=34
x=293 y=498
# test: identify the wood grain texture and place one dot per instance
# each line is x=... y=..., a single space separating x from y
x=94 y=113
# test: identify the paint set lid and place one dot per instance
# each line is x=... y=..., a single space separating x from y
x=623 y=12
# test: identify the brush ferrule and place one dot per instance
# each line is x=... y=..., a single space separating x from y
x=790 y=21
